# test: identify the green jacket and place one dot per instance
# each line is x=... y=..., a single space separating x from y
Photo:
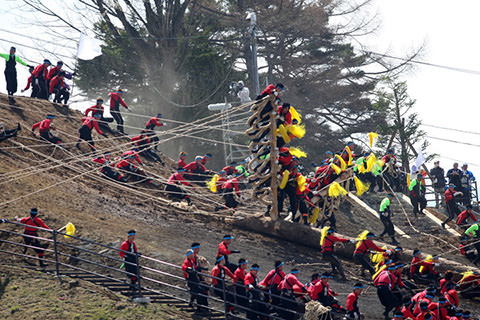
x=6 y=56
x=385 y=205
x=475 y=229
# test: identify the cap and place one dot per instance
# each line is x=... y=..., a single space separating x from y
x=228 y=237
x=131 y=232
x=33 y=211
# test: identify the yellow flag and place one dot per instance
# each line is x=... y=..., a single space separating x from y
x=301 y=181
x=70 y=230
x=283 y=132
x=361 y=236
x=212 y=184
x=283 y=184
x=383 y=267
x=297 y=152
x=464 y=275
x=372 y=136
x=408 y=180
x=335 y=190
x=360 y=186
x=323 y=232
x=313 y=218
x=370 y=162
x=343 y=165
x=428 y=259
x=336 y=168
x=295 y=115
x=350 y=156
x=297 y=130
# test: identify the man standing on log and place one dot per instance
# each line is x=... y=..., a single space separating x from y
x=417 y=195
x=327 y=251
x=385 y=217
x=11 y=72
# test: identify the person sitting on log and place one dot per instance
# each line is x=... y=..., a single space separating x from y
x=108 y=166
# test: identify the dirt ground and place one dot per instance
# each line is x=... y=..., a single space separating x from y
x=104 y=212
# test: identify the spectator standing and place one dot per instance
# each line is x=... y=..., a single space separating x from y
x=466 y=183
x=11 y=72
x=243 y=93
x=454 y=175
x=438 y=182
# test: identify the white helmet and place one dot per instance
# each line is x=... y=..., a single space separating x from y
x=240 y=83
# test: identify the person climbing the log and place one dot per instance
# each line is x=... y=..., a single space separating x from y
x=31 y=234
x=8 y=133
x=55 y=71
x=385 y=217
x=150 y=128
x=287 y=293
x=417 y=195
x=327 y=242
x=196 y=171
x=29 y=81
x=115 y=102
x=128 y=251
x=275 y=89
x=353 y=312
x=98 y=108
x=145 y=147
x=85 y=131
x=108 y=166
x=173 y=186
x=462 y=220
x=451 y=203
x=40 y=82
x=224 y=251
x=10 y=72
x=59 y=88
x=44 y=128
x=271 y=282
x=363 y=247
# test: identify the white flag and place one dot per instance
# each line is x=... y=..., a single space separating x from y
x=88 y=48
x=420 y=158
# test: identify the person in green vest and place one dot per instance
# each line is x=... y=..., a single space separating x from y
x=474 y=231
x=11 y=72
x=417 y=195
x=385 y=217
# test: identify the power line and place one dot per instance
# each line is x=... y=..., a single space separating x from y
x=454 y=141
x=451 y=129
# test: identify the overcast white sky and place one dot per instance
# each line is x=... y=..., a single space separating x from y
x=445 y=98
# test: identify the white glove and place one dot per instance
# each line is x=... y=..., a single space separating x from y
x=251 y=287
x=36 y=82
x=164 y=123
x=352 y=240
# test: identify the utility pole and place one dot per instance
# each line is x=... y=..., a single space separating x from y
x=253 y=26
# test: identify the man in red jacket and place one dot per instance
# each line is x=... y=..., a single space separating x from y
x=115 y=102
x=107 y=167
x=44 y=128
x=31 y=234
x=98 y=108
x=190 y=270
x=271 y=282
x=327 y=251
x=181 y=161
x=58 y=87
x=385 y=282
x=286 y=291
x=230 y=190
x=145 y=147
x=150 y=128
x=353 y=311
x=40 y=81
x=224 y=251
x=219 y=273
x=452 y=207
x=362 y=250
x=239 y=281
x=85 y=131
x=462 y=220
x=173 y=186
x=129 y=253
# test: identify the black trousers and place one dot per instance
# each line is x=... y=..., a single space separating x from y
x=8 y=133
x=387 y=226
x=11 y=79
x=452 y=210
x=416 y=202
x=230 y=201
x=47 y=135
x=118 y=118
x=363 y=260
x=39 y=249
x=334 y=262
x=288 y=302
x=86 y=134
x=42 y=89
x=61 y=94
x=175 y=192
x=131 y=266
x=109 y=172
x=387 y=299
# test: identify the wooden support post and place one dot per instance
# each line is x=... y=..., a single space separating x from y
x=273 y=164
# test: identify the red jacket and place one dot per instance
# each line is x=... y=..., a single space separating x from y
x=141 y=141
x=287 y=117
x=250 y=279
x=464 y=215
x=188 y=264
x=365 y=246
x=268 y=90
x=43 y=126
x=273 y=277
x=116 y=101
x=239 y=276
x=129 y=153
x=428 y=268
x=452 y=297
x=102 y=160
x=91 y=123
x=407 y=313
x=52 y=72
x=29 y=82
x=329 y=241
x=177 y=178
x=230 y=185
x=449 y=195
x=385 y=278
x=124 y=163
x=127 y=246
x=352 y=299
x=220 y=272
x=289 y=282
x=223 y=249
x=152 y=123
x=194 y=167
x=95 y=110
x=181 y=163
x=40 y=72
x=33 y=221
x=439 y=311
x=318 y=288
x=56 y=82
